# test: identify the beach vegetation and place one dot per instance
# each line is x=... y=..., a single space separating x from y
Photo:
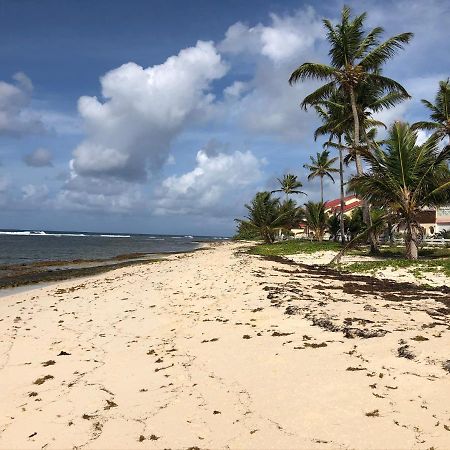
x=357 y=56
x=439 y=122
x=316 y=219
x=405 y=177
x=292 y=247
x=289 y=185
x=321 y=166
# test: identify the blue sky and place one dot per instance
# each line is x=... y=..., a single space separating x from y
x=167 y=116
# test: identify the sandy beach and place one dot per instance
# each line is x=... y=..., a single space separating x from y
x=221 y=349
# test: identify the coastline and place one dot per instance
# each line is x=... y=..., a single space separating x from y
x=12 y=276
x=222 y=349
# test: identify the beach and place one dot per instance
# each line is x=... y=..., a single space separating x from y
x=222 y=349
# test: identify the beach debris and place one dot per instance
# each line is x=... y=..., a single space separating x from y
x=419 y=338
x=446 y=365
x=277 y=334
x=404 y=352
x=163 y=368
x=110 y=404
x=246 y=336
x=141 y=438
x=370 y=308
x=32 y=435
x=42 y=380
x=374 y=413
x=292 y=310
x=354 y=369
x=216 y=412
x=50 y=362
x=32 y=394
x=153 y=437
x=314 y=345
x=63 y=353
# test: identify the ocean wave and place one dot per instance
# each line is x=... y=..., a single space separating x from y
x=43 y=233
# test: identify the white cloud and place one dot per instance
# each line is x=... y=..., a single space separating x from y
x=216 y=186
x=16 y=118
x=129 y=132
x=41 y=157
x=266 y=103
x=286 y=37
x=33 y=193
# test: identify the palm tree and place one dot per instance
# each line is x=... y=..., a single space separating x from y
x=265 y=215
x=357 y=57
x=440 y=112
x=321 y=166
x=404 y=178
x=289 y=185
x=316 y=219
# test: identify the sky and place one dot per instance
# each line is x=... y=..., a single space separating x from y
x=166 y=116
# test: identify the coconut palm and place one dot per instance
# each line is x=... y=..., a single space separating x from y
x=405 y=177
x=321 y=166
x=316 y=219
x=265 y=215
x=439 y=113
x=335 y=123
x=289 y=184
x=357 y=57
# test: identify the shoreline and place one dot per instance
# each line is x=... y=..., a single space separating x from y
x=38 y=272
x=223 y=349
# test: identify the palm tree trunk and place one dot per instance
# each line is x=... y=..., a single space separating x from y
x=359 y=171
x=412 y=251
x=341 y=176
x=321 y=189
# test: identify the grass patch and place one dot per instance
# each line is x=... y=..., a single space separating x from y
x=293 y=247
x=416 y=267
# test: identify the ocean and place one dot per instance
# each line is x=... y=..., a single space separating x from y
x=26 y=247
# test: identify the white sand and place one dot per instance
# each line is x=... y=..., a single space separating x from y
x=157 y=352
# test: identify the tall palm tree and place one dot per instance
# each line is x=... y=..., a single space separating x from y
x=440 y=112
x=289 y=184
x=357 y=57
x=316 y=218
x=321 y=166
x=405 y=177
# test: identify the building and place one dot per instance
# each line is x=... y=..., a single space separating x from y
x=351 y=202
x=434 y=221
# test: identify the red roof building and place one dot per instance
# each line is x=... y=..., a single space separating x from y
x=350 y=203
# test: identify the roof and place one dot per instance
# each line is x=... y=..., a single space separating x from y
x=337 y=201
x=351 y=202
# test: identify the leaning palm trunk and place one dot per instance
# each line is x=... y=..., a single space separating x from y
x=359 y=171
x=341 y=176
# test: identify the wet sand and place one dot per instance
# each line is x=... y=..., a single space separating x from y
x=220 y=349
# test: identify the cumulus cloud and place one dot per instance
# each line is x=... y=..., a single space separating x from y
x=41 y=157
x=33 y=193
x=216 y=186
x=129 y=131
x=286 y=37
x=266 y=103
x=16 y=119
x=88 y=193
